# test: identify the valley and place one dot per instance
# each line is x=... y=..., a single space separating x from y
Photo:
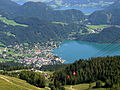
x=60 y=45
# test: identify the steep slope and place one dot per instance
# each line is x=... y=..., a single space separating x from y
x=40 y=10
x=110 y=15
x=8 y=4
x=107 y=35
x=33 y=9
x=105 y=69
x=8 y=7
x=33 y=30
x=78 y=3
x=44 y=12
x=82 y=3
x=11 y=83
x=11 y=22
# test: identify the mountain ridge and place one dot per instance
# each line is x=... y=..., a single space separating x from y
x=106 y=16
x=78 y=3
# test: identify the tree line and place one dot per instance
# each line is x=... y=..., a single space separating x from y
x=105 y=69
x=9 y=66
x=33 y=78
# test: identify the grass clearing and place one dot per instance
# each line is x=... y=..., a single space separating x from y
x=1 y=44
x=11 y=83
x=62 y=23
x=77 y=87
x=9 y=34
x=83 y=87
x=11 y=22
x=97 y=26
x=5 y=60
x=2 y=48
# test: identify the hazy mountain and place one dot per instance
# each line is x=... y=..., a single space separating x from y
x=108 y=16
x=108 y=35
x=8 y=8
x=45 y=24
x=39 y=10
x=115 y=5
x=36 y=31
x=69 y=3
x=8 y=5
x=42 y=11
x=80 y=3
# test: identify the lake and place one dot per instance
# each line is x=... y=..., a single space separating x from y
x=71 y=50
x=84 y=10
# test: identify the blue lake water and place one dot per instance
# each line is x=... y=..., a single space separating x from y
x=84 y=10
x=71 y=50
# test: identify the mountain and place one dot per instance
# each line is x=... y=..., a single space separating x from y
x=32 y=30
x=43 y=23
x=42 y=11
x=8 y=5
x=76 y=3
x=115 y=5
x=107 y=35
x=79 y=3
x=39 y=10
x=106 y=16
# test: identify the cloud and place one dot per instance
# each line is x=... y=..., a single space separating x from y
x=32 y=0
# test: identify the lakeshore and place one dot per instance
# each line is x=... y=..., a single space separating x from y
x=36 y=55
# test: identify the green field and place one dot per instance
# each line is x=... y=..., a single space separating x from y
x=11 y=22
x=5 y=60
x=1 y=47
x=1 y=44
x=83 y=87
x=62 y=23
x=97 y=26
x=11 y=83
x=9 y=34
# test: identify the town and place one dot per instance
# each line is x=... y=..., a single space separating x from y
x=35 y=55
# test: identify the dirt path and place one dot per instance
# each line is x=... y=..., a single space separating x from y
x=71 y=88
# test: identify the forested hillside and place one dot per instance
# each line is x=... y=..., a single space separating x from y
x=39 y=10
x=105 y=69
x=45 y=24
x=107 y=35
x=108 y=16
x=32 y=30
x=36 y=31
x=44 y=12
x=29 y=33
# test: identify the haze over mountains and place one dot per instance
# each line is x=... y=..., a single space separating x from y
x=42 y=11
x=30 y=33
x=108 y=16
x=47 y=24
x=73 y=3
